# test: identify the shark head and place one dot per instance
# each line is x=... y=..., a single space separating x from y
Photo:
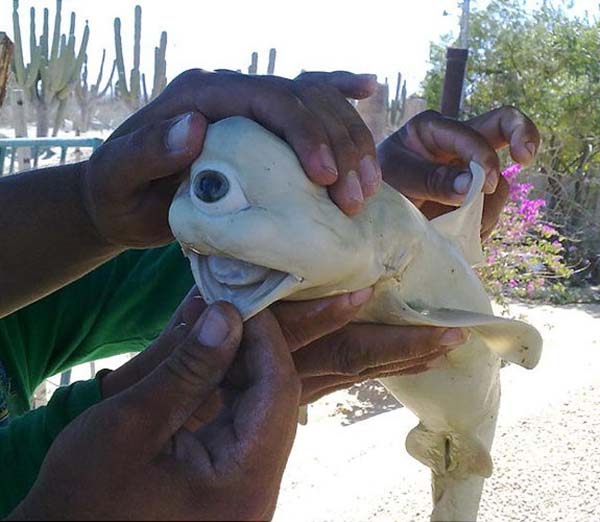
x=256 y=229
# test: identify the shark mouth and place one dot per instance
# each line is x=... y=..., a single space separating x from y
x=250 y=288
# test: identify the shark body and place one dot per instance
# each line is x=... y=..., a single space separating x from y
x=256 y=230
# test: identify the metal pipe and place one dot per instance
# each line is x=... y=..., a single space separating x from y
x=456 y=64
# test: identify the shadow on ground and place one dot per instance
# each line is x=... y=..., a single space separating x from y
x=370 y=398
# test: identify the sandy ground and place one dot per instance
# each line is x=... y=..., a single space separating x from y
x=349 y=463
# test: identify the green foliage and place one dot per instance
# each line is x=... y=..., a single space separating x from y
x=546 y=63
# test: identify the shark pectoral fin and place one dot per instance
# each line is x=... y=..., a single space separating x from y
x=455 y=453
x=512 y=340
x=463 y=225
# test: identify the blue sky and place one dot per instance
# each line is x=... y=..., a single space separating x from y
x=377 y=36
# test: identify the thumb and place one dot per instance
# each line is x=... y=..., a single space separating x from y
x=155 y=151
x=164 y=400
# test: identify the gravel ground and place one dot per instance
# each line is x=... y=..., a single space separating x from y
x=350 y=464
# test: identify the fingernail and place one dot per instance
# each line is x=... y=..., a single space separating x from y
x=531 y=147
x=454 y=337
x=327 y=162
x=491 y=181
x=353 y=188
x=214 y=328
x=177 y=139
x=370 y=176
x=462 y=183
x=360 y=297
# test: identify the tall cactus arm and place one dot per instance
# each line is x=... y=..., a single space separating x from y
x=119 y=58
x=82 y=52
x=272 y=58
x=44 y=39
x=33 y=69
x=160 y=66
x=144 y=89
x=19 y=64
x=55 y=69
x=32 y=34
x=137 y=37
x=253 y=69
x=95 y=87
x=82 y=90
x=135 y=79
x=56 y=39
x=110 y=79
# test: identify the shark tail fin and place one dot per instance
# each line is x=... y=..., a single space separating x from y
x=459 y=454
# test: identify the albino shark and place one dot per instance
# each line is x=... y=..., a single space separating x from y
x=256 y=230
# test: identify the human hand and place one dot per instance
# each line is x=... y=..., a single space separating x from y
x=329 y=353
x=427 y=159
x=131 y=457
x=129 y=182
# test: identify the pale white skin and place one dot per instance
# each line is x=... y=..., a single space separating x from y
x=275 y=235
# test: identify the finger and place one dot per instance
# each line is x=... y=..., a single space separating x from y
x=352 y=144
x=420 y=180
x=145 y=362
x=302 y=322
x=446 y=141
x=347 y=191
x=359 y=347
x=264 y=415
x=314 y=388
x=509 y=126
x=163 y=401
x=356 y=86
x=150 y=153
x=269 y=100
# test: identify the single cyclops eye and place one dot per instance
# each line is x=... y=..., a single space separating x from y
x=210 y=186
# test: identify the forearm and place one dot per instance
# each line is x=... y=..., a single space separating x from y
x=46 y=235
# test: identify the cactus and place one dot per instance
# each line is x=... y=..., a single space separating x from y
x=52 y=72
x=131 y=94
x=160 y=66
x=88 y=96
x=253 y=67
x=136 y=93
x=272 y=57
x=396 y=109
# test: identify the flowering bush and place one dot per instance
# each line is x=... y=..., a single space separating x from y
x=524 y=254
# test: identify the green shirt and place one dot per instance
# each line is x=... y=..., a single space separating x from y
x=120 y=307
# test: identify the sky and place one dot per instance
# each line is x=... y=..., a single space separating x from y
x=383 y=37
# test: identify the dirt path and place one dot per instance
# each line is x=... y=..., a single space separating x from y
x=349 y=463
